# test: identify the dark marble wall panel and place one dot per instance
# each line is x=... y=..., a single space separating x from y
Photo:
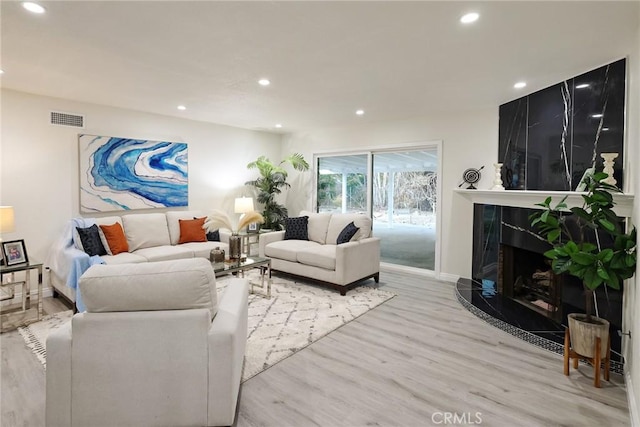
x=486 y=242
x=553 y=136
x=598 y=118
x=549 y=148
x=513 y=143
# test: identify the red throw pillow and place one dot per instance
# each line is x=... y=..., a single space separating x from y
x=191 y=230
x=115 y=238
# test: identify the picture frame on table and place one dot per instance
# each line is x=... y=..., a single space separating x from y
x=252 y=228
x=14 y=252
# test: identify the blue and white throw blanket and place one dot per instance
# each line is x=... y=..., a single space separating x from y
x=70 y=262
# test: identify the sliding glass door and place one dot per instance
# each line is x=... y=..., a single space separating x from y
x=398 y=189
x=342 y=184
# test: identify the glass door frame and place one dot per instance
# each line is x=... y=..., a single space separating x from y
x=369 y=152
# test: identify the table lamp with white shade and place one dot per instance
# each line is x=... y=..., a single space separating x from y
x=243 y=205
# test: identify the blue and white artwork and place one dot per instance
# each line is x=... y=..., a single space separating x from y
x=124 y=174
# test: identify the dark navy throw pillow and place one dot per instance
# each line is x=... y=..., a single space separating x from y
x=347 y=233
x=91 y=242
x=213 y=236
x=296 y=228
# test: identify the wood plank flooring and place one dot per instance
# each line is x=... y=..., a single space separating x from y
x=402 y=364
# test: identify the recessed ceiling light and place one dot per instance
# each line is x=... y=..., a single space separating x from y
x=181 y=107
x=596 y=116
x=469 y=18
x=264 y=82
x=33 y=7
x=519 y=85
x=582 y=86
x=278 y=125
x=1 y=72
x=360 y=112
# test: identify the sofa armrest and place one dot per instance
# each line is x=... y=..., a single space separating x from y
x=356 y=260
x=266 y=238
x=227 y=342
x=224 y=235
x=58 y=377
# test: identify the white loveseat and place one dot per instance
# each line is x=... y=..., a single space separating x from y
x=150 y=237
x=154 y=348
x=341 y=266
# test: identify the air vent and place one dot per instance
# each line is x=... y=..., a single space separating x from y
x=66 y=119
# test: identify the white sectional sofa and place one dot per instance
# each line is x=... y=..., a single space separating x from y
x=150 y=237
x=341 y=266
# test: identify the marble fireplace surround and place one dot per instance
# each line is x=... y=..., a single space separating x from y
x=505 y=313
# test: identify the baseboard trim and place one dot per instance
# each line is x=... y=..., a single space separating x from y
x=447 y=277
x=634 y=411
x=406 y=269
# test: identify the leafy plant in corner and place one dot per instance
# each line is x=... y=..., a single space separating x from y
x=576 y=244
x=273 y=178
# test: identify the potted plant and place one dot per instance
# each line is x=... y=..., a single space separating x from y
x=273 y=178
x=577 y=250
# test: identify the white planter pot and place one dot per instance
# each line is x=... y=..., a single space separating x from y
x=583 y=335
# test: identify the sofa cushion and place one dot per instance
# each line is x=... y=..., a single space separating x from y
x=339 y=221
x=169 y=285
x=317 y=225
x=174 y=225
x=288 y=249
x=164 y=253
x=123 y=258
x=296 y=228
x=91 y=241
x=203 y=249
x=116 y=239
x=191 y=230
x=323 y=256
x=146 y=230
x=347 y=233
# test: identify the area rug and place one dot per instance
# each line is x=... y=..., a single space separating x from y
x=297 y=315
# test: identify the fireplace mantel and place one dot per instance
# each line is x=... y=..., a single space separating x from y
x=528 y=198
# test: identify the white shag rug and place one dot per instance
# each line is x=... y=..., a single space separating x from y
x=297 y=315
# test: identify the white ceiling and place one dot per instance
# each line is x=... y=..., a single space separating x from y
x=393 y=59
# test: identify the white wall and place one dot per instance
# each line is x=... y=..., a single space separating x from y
x=39 y=162
x=631 y=319
x=469 y=139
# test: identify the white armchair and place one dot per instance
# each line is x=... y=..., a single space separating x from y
x=153 y=349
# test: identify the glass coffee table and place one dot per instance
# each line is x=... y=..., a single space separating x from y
x=242 y=265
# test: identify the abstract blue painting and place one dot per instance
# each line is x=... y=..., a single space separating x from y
x=124 y=174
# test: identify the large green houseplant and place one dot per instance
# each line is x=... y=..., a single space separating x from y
x=273 y=178
x=576 y=246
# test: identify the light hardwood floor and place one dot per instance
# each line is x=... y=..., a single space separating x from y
x=404 y=363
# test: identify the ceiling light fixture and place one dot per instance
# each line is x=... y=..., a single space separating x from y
x=182 y=107
x=519 y=85
x=264 y=82
x=278 y=125
x=605 y=129
x=33 y=7
x=1 y=71
x=469 y=18
x=596 y=116
x=360 y=112
x=582 y=86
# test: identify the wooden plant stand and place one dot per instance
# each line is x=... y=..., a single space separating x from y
x=596 y=361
